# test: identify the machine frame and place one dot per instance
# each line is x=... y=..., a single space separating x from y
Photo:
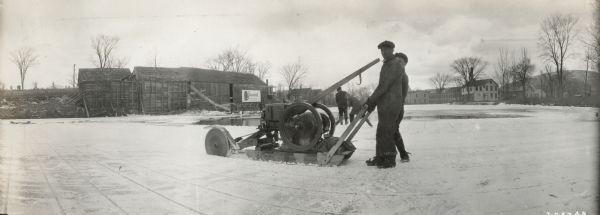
x=295 y=132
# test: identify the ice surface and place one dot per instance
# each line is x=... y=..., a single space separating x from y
x=542 y=161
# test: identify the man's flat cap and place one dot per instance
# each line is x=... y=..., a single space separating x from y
x=386 y=44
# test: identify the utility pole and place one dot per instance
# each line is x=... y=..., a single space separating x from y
x=541 y=83
x=74 y=77
x=587 y=67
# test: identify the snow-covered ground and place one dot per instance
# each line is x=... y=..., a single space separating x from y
x=537 y=160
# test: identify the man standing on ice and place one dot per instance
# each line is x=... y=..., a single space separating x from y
x=341 y=98
x=397 y=137
x=389 y=100
x=356 y=105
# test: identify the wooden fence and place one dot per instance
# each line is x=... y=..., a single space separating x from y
x=163 y=96
x=109 y=97
x=158 y=96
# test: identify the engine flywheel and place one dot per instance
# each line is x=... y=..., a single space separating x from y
x=301 y=127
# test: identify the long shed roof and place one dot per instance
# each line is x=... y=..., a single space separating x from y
x=104 y=74
x=194 y=74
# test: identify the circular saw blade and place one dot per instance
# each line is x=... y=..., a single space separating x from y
x=217 y=142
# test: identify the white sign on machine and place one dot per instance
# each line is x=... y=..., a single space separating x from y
x=250 y=95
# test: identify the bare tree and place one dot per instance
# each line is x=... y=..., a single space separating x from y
x=233 y=60
x=363 y=93
x=293 y=74
x=503 y=70
x=596 y=34
x=263 y=69
x=589 y=59
x=548 y=80
x=279 y=91
x=248 y=66
x=468 y=70
x=556 y=36
x=457 y=81
x=440 y=80
x=523 y=69
x=104 y=47
x=360 y=91
x=24 y=58
x=591 y=41
x=120 y=62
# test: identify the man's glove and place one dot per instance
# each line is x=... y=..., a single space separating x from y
x=370 y=105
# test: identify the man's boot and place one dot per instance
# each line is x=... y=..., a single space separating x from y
x=388 y=162
x=374 y=161
x=404 y=158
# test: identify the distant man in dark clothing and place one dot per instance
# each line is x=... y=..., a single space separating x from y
x=356 y=105
x=341 y=98
x=388 y=98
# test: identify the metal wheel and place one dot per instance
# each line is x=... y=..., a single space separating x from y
x=331 y=118
x=301 y=127
x=217 y=142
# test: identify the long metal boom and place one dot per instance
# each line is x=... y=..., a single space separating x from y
x=341 y=82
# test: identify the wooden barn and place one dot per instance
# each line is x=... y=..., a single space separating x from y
x=157 y=90
x=168 y=89
x=108 y=91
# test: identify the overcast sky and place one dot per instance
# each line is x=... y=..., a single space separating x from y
x=332 y=38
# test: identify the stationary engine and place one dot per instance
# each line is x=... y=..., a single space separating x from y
x=294 y=132
x=300 y=125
